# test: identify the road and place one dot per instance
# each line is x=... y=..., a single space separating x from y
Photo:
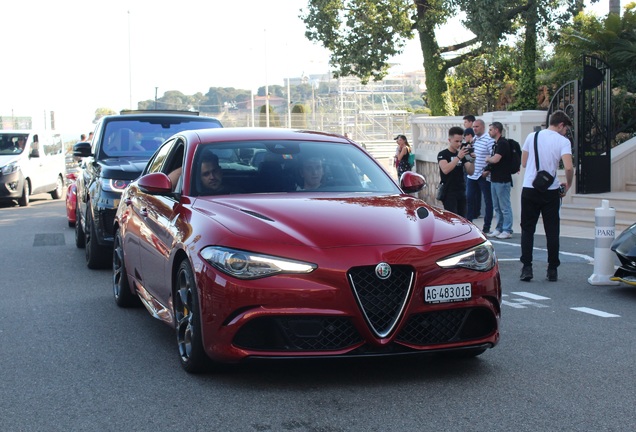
x=71 y=360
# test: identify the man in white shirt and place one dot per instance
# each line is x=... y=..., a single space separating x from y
x=552 y=147
x=478 y=183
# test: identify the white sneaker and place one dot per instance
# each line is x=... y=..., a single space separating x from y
x=504 y=235
x=494 y=233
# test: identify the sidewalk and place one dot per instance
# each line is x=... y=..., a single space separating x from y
x=566 y=230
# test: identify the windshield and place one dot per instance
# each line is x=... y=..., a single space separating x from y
x=142 y=137
x=286 y=166
x=12 y=144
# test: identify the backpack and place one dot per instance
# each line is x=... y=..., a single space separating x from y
x=515 y=156
x=411 y=158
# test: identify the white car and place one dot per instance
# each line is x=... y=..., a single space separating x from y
x=31 y=162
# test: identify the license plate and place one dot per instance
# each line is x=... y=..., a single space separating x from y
x=447 y=293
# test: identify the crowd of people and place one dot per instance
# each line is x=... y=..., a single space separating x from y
x=476 y=179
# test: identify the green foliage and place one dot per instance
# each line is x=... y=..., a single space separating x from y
x=215 y=101
x=361 y=34
x=485 y=83
x=274 y=119
x=526 y=96
x=299 y=117
x=101 y=112
x=612 y=39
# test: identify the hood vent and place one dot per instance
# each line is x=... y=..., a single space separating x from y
x=258 y=215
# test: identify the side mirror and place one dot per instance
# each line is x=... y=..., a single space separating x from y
x=411 y=182
x=82 y=149
x=155 y=184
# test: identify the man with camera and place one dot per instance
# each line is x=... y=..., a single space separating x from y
x=551 y=147
x=453 y=161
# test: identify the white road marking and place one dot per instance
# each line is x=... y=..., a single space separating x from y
x=530 y=295
x=587 y=258
x=595 y=312
x=511 y=304
x=521 y=303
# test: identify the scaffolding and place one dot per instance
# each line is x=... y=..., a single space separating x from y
x=369 y=112
x=365 y=112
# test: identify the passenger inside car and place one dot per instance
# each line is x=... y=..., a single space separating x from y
x=311 y=173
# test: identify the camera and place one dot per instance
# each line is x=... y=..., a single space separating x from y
x=562 y=189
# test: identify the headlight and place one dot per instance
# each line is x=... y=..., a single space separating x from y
x=10 y=168
x=480 y=258
x=247 y=265
x=112 y=185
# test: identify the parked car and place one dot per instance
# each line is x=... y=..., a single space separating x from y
x=31 y=162
x=118 y=152
x=299 y=245
x=624 y=246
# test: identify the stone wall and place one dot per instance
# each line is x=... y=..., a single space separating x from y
x=430 y=136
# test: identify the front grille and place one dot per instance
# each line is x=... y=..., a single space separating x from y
x=297 y=333
x=108 y=218
x=381 y=301
x=447 y=326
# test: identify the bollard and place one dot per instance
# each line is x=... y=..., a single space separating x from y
x=605 y=226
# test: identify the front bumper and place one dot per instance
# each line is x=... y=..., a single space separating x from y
x=11 y=185
x=291 y=316
x=105 y=207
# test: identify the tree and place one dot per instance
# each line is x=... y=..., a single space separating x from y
x=299 y=118
x=363 y=35
x=613 y=39
x=274 y=119
x=101 y=112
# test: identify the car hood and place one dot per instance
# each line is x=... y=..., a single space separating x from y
x=335 y=221
x=7 y=159
x=125 y=169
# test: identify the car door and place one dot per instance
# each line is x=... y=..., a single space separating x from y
x=51 y=159
x=35 y=161
x=157 y=216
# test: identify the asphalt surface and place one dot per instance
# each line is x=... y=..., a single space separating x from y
x=71 y=360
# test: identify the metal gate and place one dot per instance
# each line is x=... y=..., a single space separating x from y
x=588 y=104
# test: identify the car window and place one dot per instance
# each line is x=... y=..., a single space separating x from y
x=288 y=166
x=142 y=137
x=154 y=165
x=52 y=145
x=9 y=143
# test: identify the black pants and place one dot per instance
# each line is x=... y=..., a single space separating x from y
x=546 y=204
x=455 y=202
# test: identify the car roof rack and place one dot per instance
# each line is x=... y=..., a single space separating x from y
x=127 y=111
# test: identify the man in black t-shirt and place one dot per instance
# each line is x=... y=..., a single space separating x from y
x=452 y=163
x=500 y=182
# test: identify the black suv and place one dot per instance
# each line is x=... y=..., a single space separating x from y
x=121 y=147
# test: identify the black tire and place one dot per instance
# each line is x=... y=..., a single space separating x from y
x=188 y=321
x=97 y=257
x=23 y=201
x=124 y=297
x=80 y=238
x=59 y=188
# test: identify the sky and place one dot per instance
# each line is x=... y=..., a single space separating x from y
x=72 y=56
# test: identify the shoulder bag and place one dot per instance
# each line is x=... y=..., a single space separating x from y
x=544 y=179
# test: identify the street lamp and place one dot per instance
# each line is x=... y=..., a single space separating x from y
x=266 y=85
x=156 y=88
x=129 y=67
x=288 y=105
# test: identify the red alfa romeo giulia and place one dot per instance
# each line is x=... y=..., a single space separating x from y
x=265 y=243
